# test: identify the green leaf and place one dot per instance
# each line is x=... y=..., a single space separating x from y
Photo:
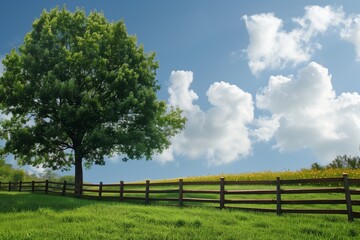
x=80 y=89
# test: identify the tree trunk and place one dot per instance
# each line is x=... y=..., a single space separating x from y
x=78 y=174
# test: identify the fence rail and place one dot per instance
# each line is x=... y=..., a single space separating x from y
x=234 y=197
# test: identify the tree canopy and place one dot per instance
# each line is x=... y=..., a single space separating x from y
x=80 y=89
x=344 y=161
x=8 y=173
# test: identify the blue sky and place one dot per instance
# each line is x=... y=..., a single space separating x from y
x=265 y=85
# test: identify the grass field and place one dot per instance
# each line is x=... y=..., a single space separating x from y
x=308 y=196
x=39 y=216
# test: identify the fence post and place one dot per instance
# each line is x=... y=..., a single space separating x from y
x=0 y=185
x=278 y=196
x=9 y=186
x=181 y=193
x=46 y=186
x=32 y=186
x=64 y=188
x=20 y=183
x=348 y=197
x=100 y=190
x=222 y=192
x=121 y=190
x=147 y=193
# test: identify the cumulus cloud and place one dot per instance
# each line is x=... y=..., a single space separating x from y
x=36 y=170
x=318 y=19
x=165 y=156
x=271 y=47
x=264 y=128
x=219 y=134
x=351 y=33
x=307 y=114
x=180 y=93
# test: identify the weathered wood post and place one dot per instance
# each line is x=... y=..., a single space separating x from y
x=20 y=184
x=348 y=197
x=222 y=192
x=181 y=193
x=9 y=186
x=100 y=190
x=32 y=186
x=0 y=185
x=46 y=186
x=147 y=192
x=121 y=190
x=278 y=196
x=64 y=188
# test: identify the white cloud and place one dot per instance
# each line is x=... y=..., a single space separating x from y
x=165 y=156
x=265 y=127
x=351 y=33
x=318 y=19
x=36 y=170
x=115 y=158
x=271 y=47
x=310 y=115
x=179 y=92
x=219 y=134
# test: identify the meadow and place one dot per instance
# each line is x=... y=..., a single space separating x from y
x=25 y=215
x=40 y=216
x=270 y=175
x=259 y=176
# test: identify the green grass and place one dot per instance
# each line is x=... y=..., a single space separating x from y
x=308 y=196
x=39 y=216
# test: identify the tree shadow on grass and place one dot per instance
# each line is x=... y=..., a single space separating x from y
x=25 y=201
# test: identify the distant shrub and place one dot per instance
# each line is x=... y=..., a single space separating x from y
x=17 y=175
x=340 y=162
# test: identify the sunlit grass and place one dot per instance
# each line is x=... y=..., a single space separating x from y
x=39 y=216
x=303 y=174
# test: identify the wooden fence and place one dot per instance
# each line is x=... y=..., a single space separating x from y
x=229 y=194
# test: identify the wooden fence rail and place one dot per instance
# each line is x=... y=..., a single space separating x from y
x=234 y=197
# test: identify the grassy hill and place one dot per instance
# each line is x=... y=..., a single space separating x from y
x=39 y=216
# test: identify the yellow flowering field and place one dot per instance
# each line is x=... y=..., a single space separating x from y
x=270 y=175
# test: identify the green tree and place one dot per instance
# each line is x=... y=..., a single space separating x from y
x=316 y=166
x=5 y=171
x=78 y=89
x=345 y=162
x=18 y=175
x=49 y=175
x=67 y=178
x=8 y=173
